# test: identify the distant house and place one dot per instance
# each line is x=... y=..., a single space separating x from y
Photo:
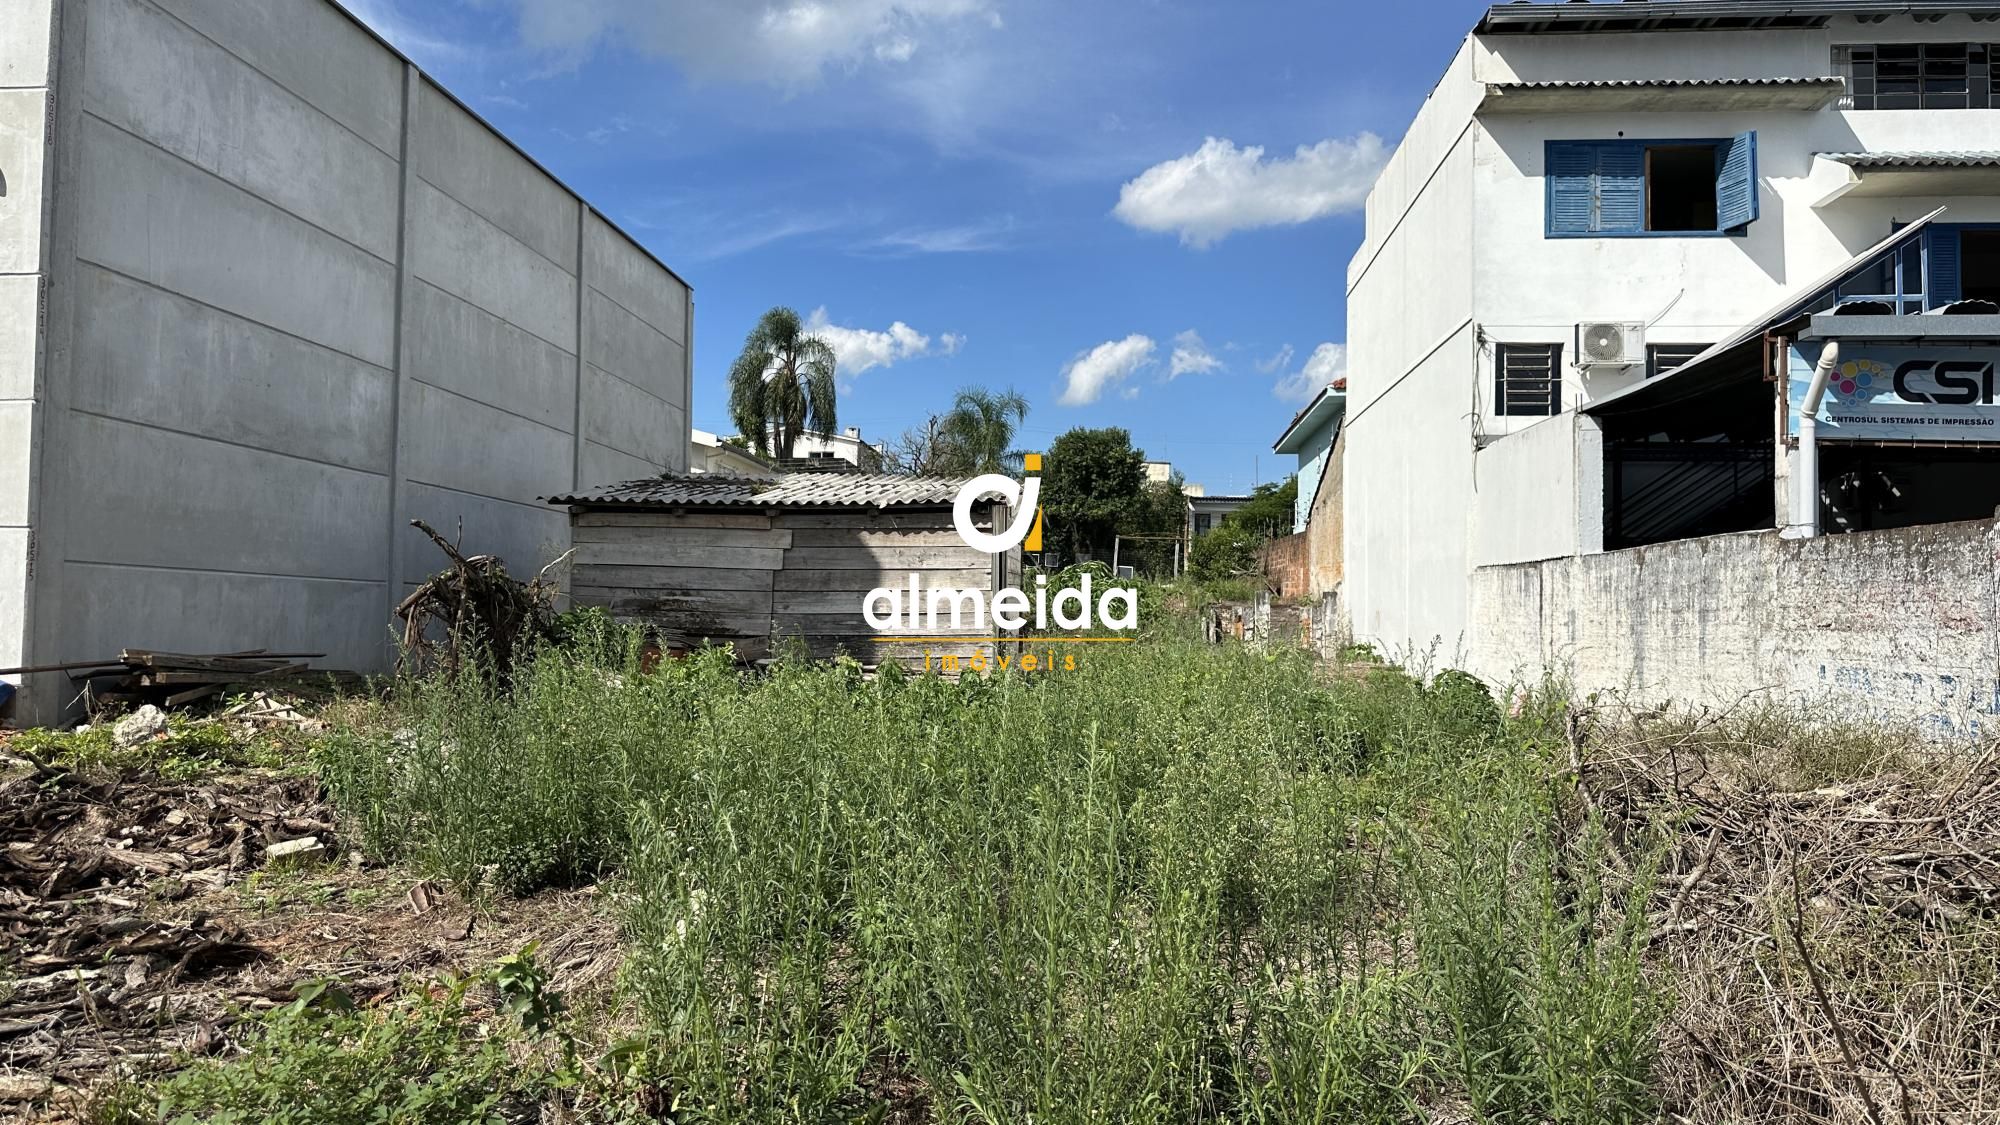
x=847 y=445
x=1310 y=437
x=1204 y=512
x=756 y=561
x=1312 y=555
x=1158 y=472
x=708 y=453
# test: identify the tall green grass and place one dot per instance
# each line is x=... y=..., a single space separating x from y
x=1181 y=883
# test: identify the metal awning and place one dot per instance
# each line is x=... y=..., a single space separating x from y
x=1641 y=95
x=1723 y=362
x=1837 y=175
x=1912 y=329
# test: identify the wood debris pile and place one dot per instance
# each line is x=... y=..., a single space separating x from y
x=1833 y=952
x=474 y=611
x=90 y=870
x=175 y=679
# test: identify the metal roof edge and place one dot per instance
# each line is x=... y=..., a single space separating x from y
x=1522 y=17
x=1791 y=309
x=1313 y=412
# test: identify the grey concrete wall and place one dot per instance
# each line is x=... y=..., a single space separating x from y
x=1895 y=626
x=300 y=296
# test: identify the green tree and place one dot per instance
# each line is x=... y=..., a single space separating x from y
x=1269 y=513
x=1093 y=483
x=1227 y=552
x=977 y=435
x=782 y=384
x=1159 y=523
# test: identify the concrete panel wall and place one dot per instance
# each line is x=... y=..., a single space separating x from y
x=300 y=297
x=1894 y=626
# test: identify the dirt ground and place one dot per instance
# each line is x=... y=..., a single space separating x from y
x=141 y=917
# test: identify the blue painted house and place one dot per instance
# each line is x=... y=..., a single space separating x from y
x=1310 y=437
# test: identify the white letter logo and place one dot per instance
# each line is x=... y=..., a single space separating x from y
x=1023 y=497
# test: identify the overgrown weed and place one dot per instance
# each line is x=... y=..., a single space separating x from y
x=1181 y=883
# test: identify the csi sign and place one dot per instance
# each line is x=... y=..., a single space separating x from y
x=1905 y=394
x=1946 y=382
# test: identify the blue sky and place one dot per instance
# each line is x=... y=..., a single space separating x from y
x=1062 y=196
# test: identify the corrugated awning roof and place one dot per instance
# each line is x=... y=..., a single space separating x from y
x=1967 y=159
x=1662 y=94
x=1665 y=83
x=780 y=490
x=1612 y=16
x=1721 y=361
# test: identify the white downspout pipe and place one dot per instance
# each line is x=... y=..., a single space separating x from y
x=1805 y=471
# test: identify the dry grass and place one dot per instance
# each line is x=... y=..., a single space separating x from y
x=1826 y=919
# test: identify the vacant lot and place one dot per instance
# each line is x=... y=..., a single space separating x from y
x=1181 y=883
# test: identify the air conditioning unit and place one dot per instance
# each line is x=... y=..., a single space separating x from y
x=1611 y=344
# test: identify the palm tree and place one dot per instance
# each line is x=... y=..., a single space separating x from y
x=781 y=384
x=978 y=432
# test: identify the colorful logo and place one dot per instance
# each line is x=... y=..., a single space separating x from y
x=1858 y=381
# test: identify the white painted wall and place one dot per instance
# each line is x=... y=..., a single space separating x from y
x=1889 y=626
x=1455 y=260
x=299 y=296
x=24 y=104
x=1408 y=430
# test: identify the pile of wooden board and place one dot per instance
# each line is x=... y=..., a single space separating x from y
x=176 y=678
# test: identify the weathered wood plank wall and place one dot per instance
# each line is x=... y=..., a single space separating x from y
x=763 y=580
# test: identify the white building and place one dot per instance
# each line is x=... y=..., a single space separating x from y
x=847 y=445
x=1594 y=194
x=708 y=453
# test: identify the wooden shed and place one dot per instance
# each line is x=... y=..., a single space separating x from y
x=752 y=561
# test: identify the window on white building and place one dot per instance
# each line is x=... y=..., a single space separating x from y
x=1527 y=379
x=1662 y=358
x=1640 y=188
x=1918 y=75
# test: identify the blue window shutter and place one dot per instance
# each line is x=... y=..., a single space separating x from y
x=1736 y=184
x=1621 y=188
x=1944 y=286
x=1571 y=168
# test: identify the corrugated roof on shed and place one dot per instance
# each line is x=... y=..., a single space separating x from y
x=780 y=490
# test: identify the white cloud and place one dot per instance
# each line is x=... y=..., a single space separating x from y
x=389 y=21
x=1327 y=363
x=991 y=234
x=1219 y=189
x=1091 y=373
x=859 y=349
x=1191 y=356
x=786 y=43
x=1280 y=360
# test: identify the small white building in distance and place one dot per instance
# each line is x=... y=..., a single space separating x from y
x=1582 y=315
x=708 y=453
x=847 y=445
